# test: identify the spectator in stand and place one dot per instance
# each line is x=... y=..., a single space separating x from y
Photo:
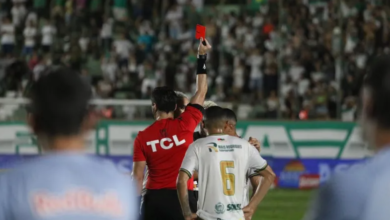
x=48 y=32
x=106 y=33
x=256 y=76
x=149 y=77
x=238 y=78
x=120 y=10
x=34 y=60
x=30 y=32
x=7 y=36
x=18 y=12
x=68 y=11
x=299 y=60
x=272 y=105
x=173 y=18
x=39 y=67
x=122 y=48
x=40 y=7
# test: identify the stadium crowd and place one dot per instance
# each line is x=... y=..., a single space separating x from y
x=304 y=59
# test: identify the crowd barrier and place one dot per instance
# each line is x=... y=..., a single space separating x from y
x=302 y=154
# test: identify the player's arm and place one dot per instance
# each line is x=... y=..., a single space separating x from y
x=182 y=192
x=268 y=177
x=258 y=167
x=139 y=165
x=193 y=114
x=255 y=183
x=190 y=163
x=201 y=74
x=255 y=143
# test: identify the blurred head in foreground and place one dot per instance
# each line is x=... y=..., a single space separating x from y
x=59 y=113
x=181 y=102
x=375 y=114
x=164 y=102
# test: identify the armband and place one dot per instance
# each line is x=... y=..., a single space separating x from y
x=201 y=68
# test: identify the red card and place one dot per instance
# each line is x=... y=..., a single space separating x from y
x=200 y=31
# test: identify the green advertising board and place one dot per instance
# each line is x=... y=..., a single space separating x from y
x=333 y=140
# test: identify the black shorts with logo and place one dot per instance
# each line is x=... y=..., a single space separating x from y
x=163 y=204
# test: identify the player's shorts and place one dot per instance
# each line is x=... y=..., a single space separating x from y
x=193 y=197
x=163 y=204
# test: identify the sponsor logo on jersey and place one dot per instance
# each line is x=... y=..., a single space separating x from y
x=219 y=208
x=213 y=147
x=221 y=139
x=233 y=207
x=228 y=148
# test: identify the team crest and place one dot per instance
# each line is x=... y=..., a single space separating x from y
x=219 y=208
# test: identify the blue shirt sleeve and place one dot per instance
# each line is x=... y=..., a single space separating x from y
x=4 y=209
x=134 y=201
x=377 y=204
x=340 y=199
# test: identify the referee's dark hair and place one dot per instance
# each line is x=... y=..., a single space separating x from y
x=214 y=117
x=164 y=98
x=59 y=103
x=377 y=82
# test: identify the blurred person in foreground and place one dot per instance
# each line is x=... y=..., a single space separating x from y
x=362 y=192
x=162 y=146
x=222 y=162
x=65 y=182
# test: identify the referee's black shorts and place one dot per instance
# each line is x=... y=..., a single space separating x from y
x=163 y=204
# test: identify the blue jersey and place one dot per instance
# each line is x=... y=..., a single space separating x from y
x=67 y=186
x=361 y=193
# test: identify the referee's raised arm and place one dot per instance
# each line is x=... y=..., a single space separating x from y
x=201 y=73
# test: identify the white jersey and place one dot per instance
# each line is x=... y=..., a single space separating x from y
x=222 y=162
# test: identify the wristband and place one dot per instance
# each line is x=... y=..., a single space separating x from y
x=201 y=67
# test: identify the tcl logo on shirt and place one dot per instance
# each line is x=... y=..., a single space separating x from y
x=163 y=145
x=166 y=143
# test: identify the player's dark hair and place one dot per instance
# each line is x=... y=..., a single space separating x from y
x=377 y=81
x=180 y=100
x=164 y=98
x=59 y=103
x=230 y=115
x=214 y=117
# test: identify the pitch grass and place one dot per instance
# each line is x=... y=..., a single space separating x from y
x=282 y=204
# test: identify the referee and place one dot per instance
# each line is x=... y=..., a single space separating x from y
x=162 y=146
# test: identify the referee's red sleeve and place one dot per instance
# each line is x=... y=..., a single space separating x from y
x=139 y=154
x=191 y=117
